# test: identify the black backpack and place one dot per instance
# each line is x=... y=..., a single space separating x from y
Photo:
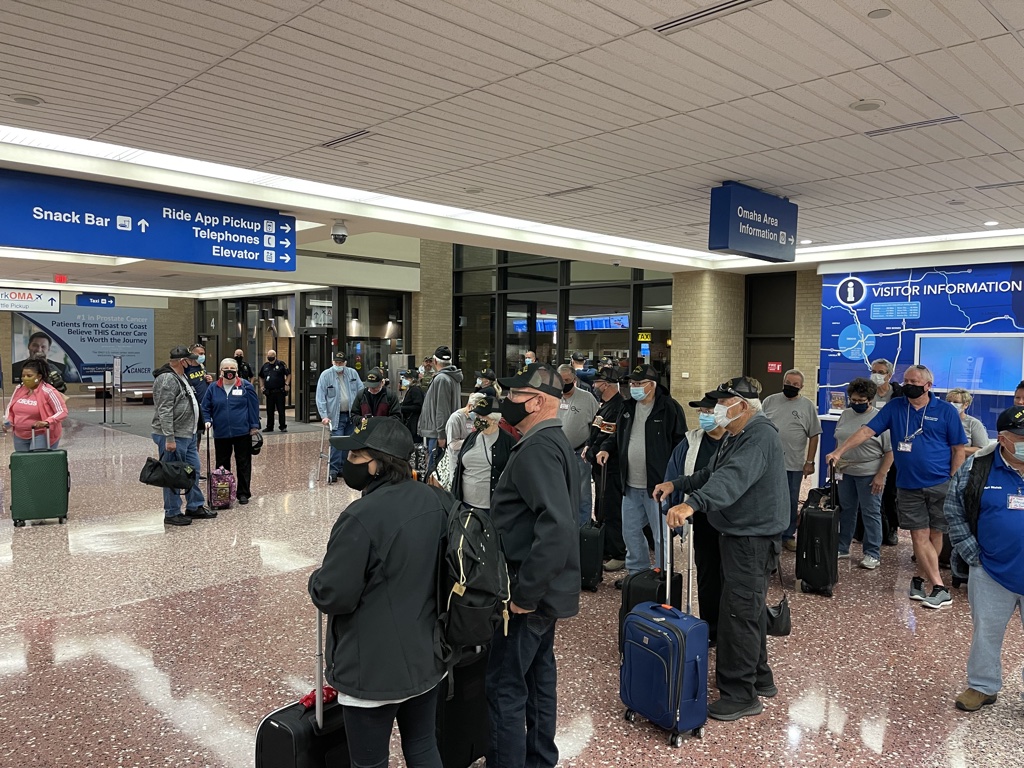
x=473 y=585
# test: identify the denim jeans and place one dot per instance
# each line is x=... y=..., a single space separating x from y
x=991 y=610
x=23 y=444
x=638 y=510
x=184 y=450
x=342 y=427
x=586 y=495
x=795 y=480
x=369 y=732
x=522 y=684
x=855 y=493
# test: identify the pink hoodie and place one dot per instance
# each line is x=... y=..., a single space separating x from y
x=27 y=406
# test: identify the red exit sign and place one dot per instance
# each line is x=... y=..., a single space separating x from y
x=774 y=367
x=60 y=279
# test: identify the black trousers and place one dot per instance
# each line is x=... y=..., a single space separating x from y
x=708 y=559
x=242 y=448
x=609 y=512
x=369 y=732
x=742 y=662
x=275 y=401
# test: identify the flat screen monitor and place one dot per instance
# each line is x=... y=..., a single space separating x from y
x=983 y=363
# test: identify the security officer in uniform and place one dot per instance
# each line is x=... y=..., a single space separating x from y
x=276 y=380
x=607 y=478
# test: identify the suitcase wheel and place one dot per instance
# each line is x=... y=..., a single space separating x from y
x=804 y=588
x=592 y=589
x=675 y=740
x=698 y=732
x=630 y=715
x=827 y=591
x=19 y=523
x=61 y=520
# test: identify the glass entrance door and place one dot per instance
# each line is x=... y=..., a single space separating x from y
x=314 y=358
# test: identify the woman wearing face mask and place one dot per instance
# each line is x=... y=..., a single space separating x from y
x=977 y=435
x=861 y=474
x=377 y=587
x=232 y=408
x=35 y=405
x=487 y=383
x=483 y=456
x=412 y=402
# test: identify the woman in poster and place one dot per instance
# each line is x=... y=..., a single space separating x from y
x=35 y=405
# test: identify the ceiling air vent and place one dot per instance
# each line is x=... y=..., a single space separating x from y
x=347 y=139
x=716 y=11
x=912 y=126
x=1002 y=185
x=572 y=191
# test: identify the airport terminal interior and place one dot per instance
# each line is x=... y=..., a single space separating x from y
x=699 y=188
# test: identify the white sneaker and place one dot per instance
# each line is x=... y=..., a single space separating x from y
x=844 y=555
x=870 y=562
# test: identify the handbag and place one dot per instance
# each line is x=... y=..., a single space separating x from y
x=176 y=475
x=442 y=473
x=780 y=621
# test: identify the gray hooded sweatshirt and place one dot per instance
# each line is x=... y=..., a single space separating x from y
x=443 y=398
x=744 y=489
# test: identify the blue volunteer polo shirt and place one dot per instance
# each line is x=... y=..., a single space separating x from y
x=1000 y=528
x=929 y=432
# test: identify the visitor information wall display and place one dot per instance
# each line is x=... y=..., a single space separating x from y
x=965 y=323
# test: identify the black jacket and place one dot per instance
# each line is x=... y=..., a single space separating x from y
x=411 y=406
x=665 y=427
x=500 y=452
x=377 y=587
x=384 y=403
x=535 y=509
x=609 y=413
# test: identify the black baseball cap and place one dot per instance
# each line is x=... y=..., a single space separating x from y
x=644 y=373
x=539 y=376
x=183 y=353
x=706 y=402
x=737 y=387
x=444 y=354
x=486 y=373
x=388 y=436
x=340 y=356
x=611 y=375
x=607 y=362
x=579 y=357
x=1011 y=420
x=486 y=406
x=375 y=376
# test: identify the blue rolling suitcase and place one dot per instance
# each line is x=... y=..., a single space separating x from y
x=663 y=675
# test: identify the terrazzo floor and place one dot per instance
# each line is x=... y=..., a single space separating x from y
x=123 y=643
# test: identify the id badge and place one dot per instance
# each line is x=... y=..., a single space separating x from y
x=904 y=447
x=237 y=392
x=1015 y=501
x=563 y=406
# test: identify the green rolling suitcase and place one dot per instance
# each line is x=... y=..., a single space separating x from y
x=40 y=483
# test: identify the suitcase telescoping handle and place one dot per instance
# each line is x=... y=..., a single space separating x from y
x=666 y=547
x=319 y=669
x=32 y=442
x=833 y=489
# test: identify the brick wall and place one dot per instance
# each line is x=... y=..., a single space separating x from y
x=432 y=304
x=707 y=331
x=807 y=339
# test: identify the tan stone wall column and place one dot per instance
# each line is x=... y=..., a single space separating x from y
x=432 y=304
x=807 y=339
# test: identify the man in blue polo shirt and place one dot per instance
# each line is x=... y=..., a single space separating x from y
x=928 y=443
x=985 y=510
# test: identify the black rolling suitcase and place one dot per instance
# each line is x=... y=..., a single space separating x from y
x=817 y=540
x=592 y=546
x=649 y=586
x=463 y=720
x=297 y=737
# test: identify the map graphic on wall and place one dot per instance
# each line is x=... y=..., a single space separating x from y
x=965 y=323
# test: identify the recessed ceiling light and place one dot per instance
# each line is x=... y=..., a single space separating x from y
x=991 y=223
x=879 y=13
x=867 y=105
x=474 y=190
x=806 y=242
x=26 y=99
x=956 y=202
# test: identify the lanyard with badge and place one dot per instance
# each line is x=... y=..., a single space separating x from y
x=1015 y=501
x=907 y=443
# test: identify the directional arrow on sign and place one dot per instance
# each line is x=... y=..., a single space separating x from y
x=143 y=225
x=52 y=301
x=285 y=242
x=286 y=227
x=791 y=239
x=286 y=258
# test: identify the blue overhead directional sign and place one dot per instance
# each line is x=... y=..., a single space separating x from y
x=749 y=222
x=60 y=214
x=94 y=300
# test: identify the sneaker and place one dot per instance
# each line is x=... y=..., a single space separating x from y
x=731 y=710
x=243 y=499
x=766 y=691
x=177 y=520
x=614 y=565
x=917 y=588
x=870 y=562
x=892 y=539
x=200 y=513
x=972 y=700
x=844 y=555
x=790 y=544
x=283 y=428
x=939 y=598
x=269 y=429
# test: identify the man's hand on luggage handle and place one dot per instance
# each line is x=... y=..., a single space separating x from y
x=325 y=421
x=678 y=515
x=661 y=490
x=602 y=458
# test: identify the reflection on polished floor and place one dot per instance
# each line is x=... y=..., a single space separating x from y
x=125 y=643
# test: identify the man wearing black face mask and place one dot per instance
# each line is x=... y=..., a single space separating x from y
x=533 y=507
x=244 y=369
x=797 y=421
x=576 y=411
x=928 y=448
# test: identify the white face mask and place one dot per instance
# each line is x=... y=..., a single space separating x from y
x=722 y=415
x=959 y=407
x=878 y=378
